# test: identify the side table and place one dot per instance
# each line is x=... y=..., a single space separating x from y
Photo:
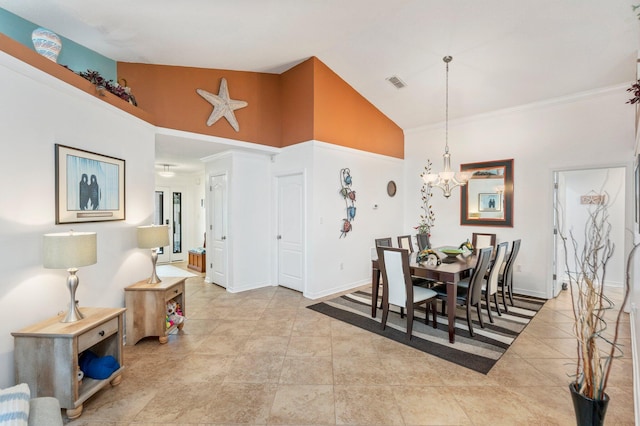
x=147 y=307
x=46 y=355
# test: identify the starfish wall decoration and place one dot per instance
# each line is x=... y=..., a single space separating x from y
x=223 y=106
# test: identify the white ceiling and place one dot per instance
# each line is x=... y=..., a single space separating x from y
x=506 y=53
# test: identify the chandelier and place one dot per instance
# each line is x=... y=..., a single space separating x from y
x=446 y=179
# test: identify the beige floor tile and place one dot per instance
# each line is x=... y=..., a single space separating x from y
x=307 y=370
x=256 y=368
x=222 y=344
x=303 y=404
x=429 y=405
x=242 y=403
x=309 y=346
x=366 y=405
x=357 y=345
x=360 y=370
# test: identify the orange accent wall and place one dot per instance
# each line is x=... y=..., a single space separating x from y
x=169 y=94
x=296 y=85
x=343 y=117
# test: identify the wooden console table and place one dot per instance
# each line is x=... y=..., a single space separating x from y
x=46 y=355
x=147 y=308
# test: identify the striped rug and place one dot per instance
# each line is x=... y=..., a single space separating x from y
x=479 y=353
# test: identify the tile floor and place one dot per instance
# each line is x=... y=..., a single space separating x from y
x=261 y=358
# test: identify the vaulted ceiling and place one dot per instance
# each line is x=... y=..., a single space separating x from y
x=506 y=53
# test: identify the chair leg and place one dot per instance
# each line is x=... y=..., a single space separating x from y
x=479 y=310
x=495 y=302
x=504 y=298
x=487 y=299
x=426 y=313
x=385 y=314
x=409 y=320
x=469 y=320
x=510 y=294
x=401 y=312
x=434 y=308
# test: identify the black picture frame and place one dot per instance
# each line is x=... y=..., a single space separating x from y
x=90 y=187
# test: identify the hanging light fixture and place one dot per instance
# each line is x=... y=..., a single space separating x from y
x=166 y=172
x=446 y=179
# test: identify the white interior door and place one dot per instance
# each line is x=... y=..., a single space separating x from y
x=290 y=231
x=217 y=249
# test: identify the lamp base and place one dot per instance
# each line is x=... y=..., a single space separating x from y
x=154 y=279
x=74 y=313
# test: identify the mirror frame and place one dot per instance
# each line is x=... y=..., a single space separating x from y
x=508 y=194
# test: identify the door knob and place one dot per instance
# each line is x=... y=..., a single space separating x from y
x=279 y=237
x=223 y=238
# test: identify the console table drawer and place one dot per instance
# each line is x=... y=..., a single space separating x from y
x=174 y=291
x=97 y=334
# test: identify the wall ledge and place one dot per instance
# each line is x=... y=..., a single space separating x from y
x=32 y=58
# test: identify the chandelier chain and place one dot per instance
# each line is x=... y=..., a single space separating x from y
x=446 y=110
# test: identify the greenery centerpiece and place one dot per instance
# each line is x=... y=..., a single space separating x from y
x=427 y=217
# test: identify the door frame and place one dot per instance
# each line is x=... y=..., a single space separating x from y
x=275 y=260
x=629 y=213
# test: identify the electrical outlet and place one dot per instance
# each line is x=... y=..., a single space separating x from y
x=518 y=268
x=341 y=266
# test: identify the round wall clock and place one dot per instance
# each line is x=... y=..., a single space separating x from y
x=391 y=188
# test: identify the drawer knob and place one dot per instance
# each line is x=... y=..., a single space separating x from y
x=175 y=291
x=101 y=333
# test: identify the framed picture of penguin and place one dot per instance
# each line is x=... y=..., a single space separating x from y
x=89 y=186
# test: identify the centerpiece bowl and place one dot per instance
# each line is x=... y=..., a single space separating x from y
x=452 y=254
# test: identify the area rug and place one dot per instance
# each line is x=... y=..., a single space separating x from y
x=172 y=271
x=479 y=353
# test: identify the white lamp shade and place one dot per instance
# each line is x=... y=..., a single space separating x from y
x=153 y=236
x=69 y=250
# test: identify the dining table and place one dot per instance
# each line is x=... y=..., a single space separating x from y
x=449 y=272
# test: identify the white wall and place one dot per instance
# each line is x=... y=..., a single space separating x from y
x=38 y=111
x=586 y=131
x=337 y=264
x=248 y=219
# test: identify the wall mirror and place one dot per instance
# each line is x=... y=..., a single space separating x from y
x=487 y=199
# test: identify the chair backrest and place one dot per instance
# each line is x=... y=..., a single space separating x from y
x=423 y=241
x=474 y=294
x=383 y=242
x=508 y=268
x=404 y=241
x=494 y=272
x=396 y=275
x=480 y=240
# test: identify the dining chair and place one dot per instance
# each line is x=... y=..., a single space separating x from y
x=423 y=241
x=481 y=240
x=470 y=295
x=490 y=284
x=383 y=242
x=398 y=289
x=404 y=241
x=505 y=280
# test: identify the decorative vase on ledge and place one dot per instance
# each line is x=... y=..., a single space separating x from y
x=46 y=43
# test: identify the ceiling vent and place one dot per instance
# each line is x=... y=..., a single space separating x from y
x=396 y=82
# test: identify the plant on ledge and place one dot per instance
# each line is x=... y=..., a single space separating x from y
x=101 y=83
x=428 y=217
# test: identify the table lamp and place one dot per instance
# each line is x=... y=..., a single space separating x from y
x=70 y=250
x=152 y=237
